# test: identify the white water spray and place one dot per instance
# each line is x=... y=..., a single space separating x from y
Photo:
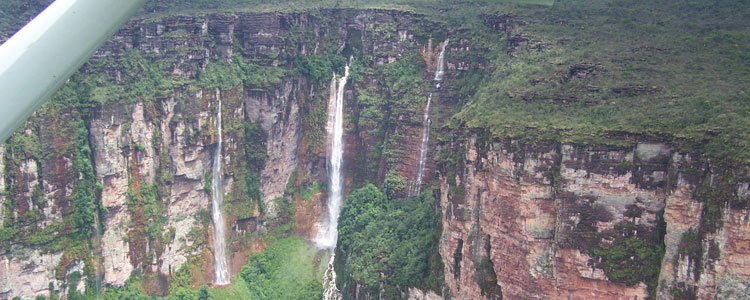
x=426 y=121
x=221 y=275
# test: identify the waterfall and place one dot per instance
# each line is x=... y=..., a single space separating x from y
x=417 y=186
x=328 y=232
x=439 y=71
x=221 y=275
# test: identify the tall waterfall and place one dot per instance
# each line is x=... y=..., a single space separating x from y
x=221 y=274
x=328 y=233
x=426 y=121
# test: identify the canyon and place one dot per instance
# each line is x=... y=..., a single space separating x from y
x=177 y=107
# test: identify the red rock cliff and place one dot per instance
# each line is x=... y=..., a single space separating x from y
x=536 y=222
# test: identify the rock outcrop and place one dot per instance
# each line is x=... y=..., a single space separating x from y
x=543 y=216
x=417 y=294
x=110 y=136
x=29 y=272
x=279 y=115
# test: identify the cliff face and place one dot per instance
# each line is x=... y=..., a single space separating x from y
x=542 y=222
x=151 y=147
x=151 y=159
x=707 y=231
x=131 y=157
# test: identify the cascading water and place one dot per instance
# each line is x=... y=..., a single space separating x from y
x=330 y=291
x=440 y=69
x=426 y=121
x=328 y=233
x=221 y=274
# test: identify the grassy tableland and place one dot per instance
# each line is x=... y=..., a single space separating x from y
x=676 y=70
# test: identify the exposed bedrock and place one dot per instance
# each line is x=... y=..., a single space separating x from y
x=542 y=218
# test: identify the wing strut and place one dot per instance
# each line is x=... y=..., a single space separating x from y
x=37 y=60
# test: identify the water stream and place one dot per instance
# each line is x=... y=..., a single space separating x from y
x=416 y=187
x=328 y=233
x=221 y=274
x=330 y=291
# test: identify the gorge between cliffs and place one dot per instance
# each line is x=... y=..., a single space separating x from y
x=402 y=150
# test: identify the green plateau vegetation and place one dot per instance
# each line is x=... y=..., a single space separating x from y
x=600 y=72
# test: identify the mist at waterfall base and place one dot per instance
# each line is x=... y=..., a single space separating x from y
x=416 y=186
x=221 y=273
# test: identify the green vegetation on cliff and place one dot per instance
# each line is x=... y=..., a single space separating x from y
x=630 y=254
x=14 y=14
x=388 y=244
x=218 y=74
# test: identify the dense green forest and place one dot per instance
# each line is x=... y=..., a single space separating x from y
x=397 y=238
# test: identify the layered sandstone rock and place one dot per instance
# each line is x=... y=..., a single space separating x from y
x=279 y=116
x=523 y=207
x=107 y=132
x=168 y=142
x=513 y=213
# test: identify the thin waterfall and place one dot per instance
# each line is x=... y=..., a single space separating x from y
x=328 y=233
x=440 y=69
x=221 y=274
x=426 y=121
